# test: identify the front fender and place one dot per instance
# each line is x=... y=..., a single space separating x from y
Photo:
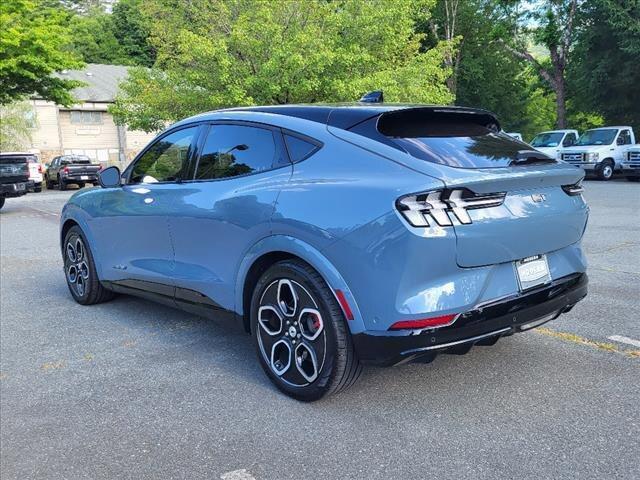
x=308 y=253
x=72 y=212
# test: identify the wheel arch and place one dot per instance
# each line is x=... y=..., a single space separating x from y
x=273 y=249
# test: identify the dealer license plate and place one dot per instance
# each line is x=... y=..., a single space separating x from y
x=532 y=272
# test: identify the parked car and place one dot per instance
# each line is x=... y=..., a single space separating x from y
x=517 y=136
x=600 y=151
x=14 y=175
x=631 y=163
x=337 y=235
x=553 y=141
x=68 y=169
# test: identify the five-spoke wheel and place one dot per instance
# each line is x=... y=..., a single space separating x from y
x=300 y=332
x=80 y=271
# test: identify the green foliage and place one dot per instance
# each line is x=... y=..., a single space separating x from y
x=93 y=39
x=238 y=52
x=131 y=30
x=15 y=126
x=31 y=50
x=606 y=74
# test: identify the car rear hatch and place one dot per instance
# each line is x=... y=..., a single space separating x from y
x=504 y=200
x=14 y=169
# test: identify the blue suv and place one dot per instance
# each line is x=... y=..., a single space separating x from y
x=337 y=235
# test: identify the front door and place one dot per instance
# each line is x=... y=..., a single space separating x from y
x=132 y=230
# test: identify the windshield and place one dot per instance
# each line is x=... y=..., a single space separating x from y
x=547 y=139
x=597 y=137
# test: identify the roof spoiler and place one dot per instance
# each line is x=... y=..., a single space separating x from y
x=439 y=121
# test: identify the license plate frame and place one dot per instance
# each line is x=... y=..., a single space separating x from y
x=84 y=177
x=532 y=272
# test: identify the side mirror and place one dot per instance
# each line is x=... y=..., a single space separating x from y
x=109 y=177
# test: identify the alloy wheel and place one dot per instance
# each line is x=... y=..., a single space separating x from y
x=291 y=332
x=77 y=266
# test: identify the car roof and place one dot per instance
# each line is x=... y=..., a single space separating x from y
x=340 y=115
x=565 y=130
x=611 y=127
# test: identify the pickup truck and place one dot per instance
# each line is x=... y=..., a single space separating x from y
x=553 y=141
x=631 y=163
x=67 y=169
x=14 y=175
x=600 y=151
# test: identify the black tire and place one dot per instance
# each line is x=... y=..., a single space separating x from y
x=48 y=183
x=326 y=350
x=633 y=179
x=37 y=189
x=605 y=170
x=85 y=287
x=61 y=185
x=80 y=185
x=1 y=202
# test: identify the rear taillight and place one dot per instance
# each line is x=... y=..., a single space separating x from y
x=433 y=322
x=573 y=190
x=99 y=167
x=65 y=170
x=39 y=168
x=443 y=206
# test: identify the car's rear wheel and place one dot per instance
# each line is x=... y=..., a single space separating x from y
x=48 y=183
x=605 y=171
x=61 y=184
x=1 y=202
x=301 y=336
x=80 y=270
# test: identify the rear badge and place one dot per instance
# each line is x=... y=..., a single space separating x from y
x=532 y=272
x=538 y=197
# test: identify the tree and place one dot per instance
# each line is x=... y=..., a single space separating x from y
x=238 y=52
x=131 y=29
x=555 y=29
x=93 y=39
x=15 y=126
x=31 y=50
x=606 y=78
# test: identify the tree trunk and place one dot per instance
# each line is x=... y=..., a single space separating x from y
x=561 y=101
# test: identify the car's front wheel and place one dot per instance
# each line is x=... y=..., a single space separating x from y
x=300 y=333
x=80 y=270
x=605 y=172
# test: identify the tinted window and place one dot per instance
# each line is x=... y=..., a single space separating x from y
x=165 y=159
x=298 y=148
x=233 y=150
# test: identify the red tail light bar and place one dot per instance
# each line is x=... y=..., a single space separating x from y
x=432 y=322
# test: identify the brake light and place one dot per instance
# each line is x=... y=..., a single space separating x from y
x=39 y=168
x=99 y=167
x=433 y=322
x=443 y=206
x=65 y=170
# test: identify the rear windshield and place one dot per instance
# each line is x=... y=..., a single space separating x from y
x=15 y=158
x=77 y=160
x=455 y=139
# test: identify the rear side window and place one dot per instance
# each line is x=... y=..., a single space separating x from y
x=299 y=148
x=455 y=139
x=234 y=150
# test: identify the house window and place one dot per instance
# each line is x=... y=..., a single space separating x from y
x=83 y=117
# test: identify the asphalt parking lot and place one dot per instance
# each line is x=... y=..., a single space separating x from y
x=130 y=389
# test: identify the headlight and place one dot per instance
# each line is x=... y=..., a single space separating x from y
x=592 y=157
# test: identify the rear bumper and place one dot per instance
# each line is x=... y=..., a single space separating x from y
x=16 y=189
x=483 y=325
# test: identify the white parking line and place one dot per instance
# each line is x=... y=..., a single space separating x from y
x=627 y=340
x=241 y=474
